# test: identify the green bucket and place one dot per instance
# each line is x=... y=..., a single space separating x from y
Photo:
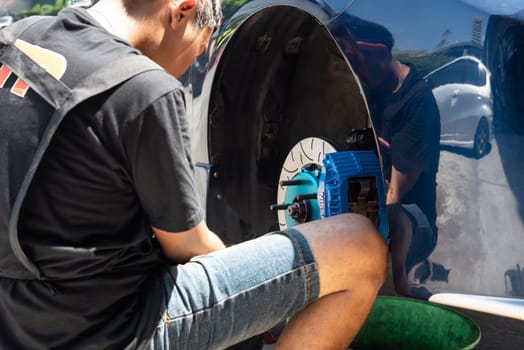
x=408 y=324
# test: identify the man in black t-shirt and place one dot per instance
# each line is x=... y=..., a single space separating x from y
x=409 y=136
x=408 y=132
x=403 y=109
x=407 y=125
x=406 y=120
x=112 y=222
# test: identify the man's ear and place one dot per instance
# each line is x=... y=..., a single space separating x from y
x=179 y=9
x=187 y=5
x=378 y=51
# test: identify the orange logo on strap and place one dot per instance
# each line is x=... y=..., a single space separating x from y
x=4 y=75
x=54 y=63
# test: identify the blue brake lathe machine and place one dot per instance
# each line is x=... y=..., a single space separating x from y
x=345 y=181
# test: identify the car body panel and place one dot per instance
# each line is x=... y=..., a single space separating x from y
x=480 y=215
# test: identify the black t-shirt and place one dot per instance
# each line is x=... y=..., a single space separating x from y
x=118 y=164
x=409 y=123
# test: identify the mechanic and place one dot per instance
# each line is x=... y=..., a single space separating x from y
x=407 y=123
x=111 y=249
x=403 y=109
x=408 y=130
x=409 y=139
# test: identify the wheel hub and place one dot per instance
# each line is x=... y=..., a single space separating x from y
x=299 y=180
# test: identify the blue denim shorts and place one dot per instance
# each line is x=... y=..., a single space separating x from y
x=220 y=299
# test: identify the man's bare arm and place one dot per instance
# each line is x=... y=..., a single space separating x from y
x=400 y=184
x=182 y=246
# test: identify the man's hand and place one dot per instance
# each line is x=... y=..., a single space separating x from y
x=182 y=246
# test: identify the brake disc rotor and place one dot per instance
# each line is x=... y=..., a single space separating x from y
x=299 y=177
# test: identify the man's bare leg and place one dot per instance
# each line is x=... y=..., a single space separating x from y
x=352 y=261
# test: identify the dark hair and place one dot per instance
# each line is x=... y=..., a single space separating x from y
x=208 y=12
x=369 y=32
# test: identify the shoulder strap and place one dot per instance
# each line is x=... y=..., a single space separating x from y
x=102 y=80
x=14 y=30
x=53 y=91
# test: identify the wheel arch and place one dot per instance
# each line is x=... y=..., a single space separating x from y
x=281 y=78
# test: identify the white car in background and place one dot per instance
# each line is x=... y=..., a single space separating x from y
x=80 y=3
x=462 y=90
x=5 y=21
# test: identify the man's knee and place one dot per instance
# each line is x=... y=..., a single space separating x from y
x=366 y=247
x=352 y=235
x=348 y=250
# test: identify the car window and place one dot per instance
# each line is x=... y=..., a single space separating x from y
x=482 y=76
x=465 y=71
x=471 y=73
x=447 y=75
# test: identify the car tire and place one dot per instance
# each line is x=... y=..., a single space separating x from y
x=481 y=141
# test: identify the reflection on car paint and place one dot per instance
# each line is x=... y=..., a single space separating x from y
x=462 y=89
x=259 y=101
